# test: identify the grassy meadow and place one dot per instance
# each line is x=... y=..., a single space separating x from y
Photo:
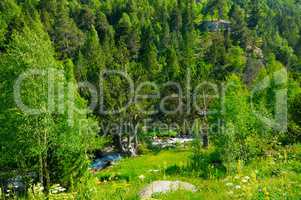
x=275 y=176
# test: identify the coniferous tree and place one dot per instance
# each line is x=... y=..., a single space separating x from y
x=66 y=36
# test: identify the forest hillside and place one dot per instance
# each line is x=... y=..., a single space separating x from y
x=101 y=98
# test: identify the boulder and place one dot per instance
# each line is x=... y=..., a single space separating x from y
x=164 y=187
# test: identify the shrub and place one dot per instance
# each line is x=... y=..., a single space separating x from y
x=207 y=163
x=143 y=149
x=174 y=169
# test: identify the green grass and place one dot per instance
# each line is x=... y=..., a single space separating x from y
x=141 y=164
x=275 y=177
x=123 y=178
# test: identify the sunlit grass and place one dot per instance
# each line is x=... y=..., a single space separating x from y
x=275 y=177
x=254 y=181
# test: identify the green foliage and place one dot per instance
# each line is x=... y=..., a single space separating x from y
x=66 y=35
x=8 y=11
x=207 y=163
x=240 y=123
x=91 y=60
x=294 y=126
x=235 y=59
x=167 y=134
x=151 y=41
x=49 y=144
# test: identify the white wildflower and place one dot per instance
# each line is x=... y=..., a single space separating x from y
x=141 y=177
x=154 y=170
x=229 y=184
x=244 y=180
x=56 y=189
x=53 y=191
x=237 y=187
x=61 y=189
x=38 y=187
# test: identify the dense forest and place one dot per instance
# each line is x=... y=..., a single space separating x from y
x=82 y=77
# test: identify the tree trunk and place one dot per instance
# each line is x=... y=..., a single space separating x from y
x=117 y=139
x=131 y=150
x=205 y=133
x=47 y=177
x=46 y=174
x=205 y=122
x=41 y=176
x=205 y=140
x=136 y=137
x=136 y=141
x=41 y=173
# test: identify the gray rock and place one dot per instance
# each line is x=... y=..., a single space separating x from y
x=170 y=142
x=164 y=187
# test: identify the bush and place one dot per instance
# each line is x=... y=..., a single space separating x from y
x=143 y=149
x=112 y=177
x=207 y=163
x=169 y=133
x=174 y=169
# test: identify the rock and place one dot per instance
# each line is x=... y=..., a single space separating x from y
x=216 y=25
x=170 y=142
x=164 y=187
